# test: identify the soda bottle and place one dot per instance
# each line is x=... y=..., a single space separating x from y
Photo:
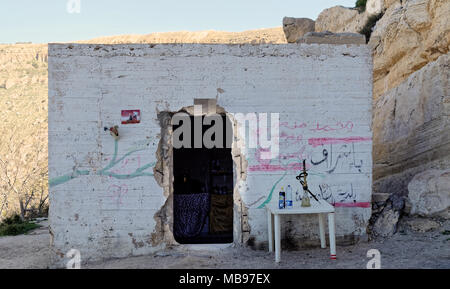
x=289 y=197
x=282 y=200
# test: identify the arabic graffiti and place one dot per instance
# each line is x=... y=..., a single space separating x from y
x=346 y=154
x=338 y=154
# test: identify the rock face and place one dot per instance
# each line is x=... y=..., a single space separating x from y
x=294 y=28
x=406 y=38
x=341 y=19
x=429 y=193
x=411 y=128
x=409 y=35
x=328 y=37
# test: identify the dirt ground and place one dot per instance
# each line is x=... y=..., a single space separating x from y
x=406 y=249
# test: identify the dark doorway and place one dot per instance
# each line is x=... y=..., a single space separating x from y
x=203 y=191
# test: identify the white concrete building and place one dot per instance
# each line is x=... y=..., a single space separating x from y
x=115 y=197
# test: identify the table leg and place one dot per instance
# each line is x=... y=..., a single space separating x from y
x=277 y=238
x=270 y=230
x=331 y=228
x=323 y=243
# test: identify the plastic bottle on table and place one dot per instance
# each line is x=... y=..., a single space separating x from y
x=282 y=200
x=289 y=197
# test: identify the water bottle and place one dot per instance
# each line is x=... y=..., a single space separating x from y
x=289 y=197
x=282 y=200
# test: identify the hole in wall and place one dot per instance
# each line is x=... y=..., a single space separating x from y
x=203 y=188
x=165 y=172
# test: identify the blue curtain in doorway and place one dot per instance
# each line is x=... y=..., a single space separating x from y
x=190 y=212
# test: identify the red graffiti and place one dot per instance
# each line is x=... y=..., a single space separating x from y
x=339 y=126
x=314 y=142
x=276 y=168
x=290 y=139
x=294 y=126
x=118 y=191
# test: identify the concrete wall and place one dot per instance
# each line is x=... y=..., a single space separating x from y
x=105 y=200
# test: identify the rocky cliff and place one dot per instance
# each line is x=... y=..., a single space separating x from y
x=407 y=38
x=411 y=128
x=411 y=148
x=410 y=34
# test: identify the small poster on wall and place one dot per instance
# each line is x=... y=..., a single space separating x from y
x=131 y=116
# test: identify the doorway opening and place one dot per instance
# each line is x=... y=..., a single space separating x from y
x=203 y=189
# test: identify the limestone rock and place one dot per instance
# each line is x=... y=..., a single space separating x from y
x=389 y=3
x=9 y=83
x=423 y=225
x=411 y=131
x=341 y=19
x=429 y=193
x=410 y=34
x=294 y=28
x=386 y=215
x=380 y=197
x=328 y=37
x=374 y=7
x=386 y=224
x=406 y=38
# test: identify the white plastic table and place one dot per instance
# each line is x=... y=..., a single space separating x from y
x=322 y=208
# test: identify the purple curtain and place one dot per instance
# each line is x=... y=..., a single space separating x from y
x=190 y=212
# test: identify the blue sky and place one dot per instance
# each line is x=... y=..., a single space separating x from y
x=42 y=21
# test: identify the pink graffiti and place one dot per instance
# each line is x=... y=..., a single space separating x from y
x=290 y=139
x=294 y=126
x=118 y=191
x=295 y=155
x=339 y=126
x=314 y=142
x=265 y=166
x=276 y=168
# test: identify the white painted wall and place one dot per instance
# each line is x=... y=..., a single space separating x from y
x=322 y=92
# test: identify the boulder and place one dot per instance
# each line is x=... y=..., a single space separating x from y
x=374 y=7
x=294 y=28
x=386 y=223
x=328 y=37
x=385 y=217
x=341 y=19
x=380 y=197
x=422 y=225
x=429 y=193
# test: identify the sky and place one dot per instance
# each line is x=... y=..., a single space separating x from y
x=44 y=21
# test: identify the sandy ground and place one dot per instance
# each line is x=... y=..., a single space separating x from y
x=406 y=249
x=26 y=251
